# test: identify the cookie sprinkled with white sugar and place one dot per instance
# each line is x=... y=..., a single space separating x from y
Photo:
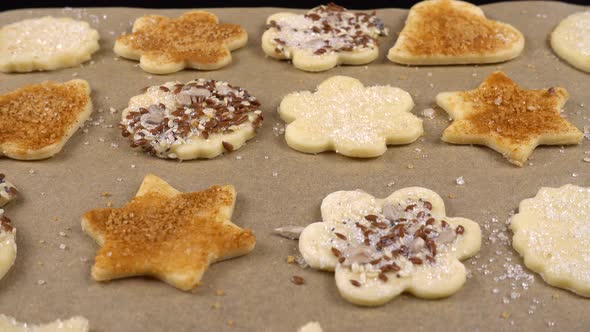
x=552 y=233
x=46 y=43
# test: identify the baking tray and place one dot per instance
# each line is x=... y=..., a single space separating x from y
x=278 y=186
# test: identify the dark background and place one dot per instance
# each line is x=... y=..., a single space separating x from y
x=367 y=4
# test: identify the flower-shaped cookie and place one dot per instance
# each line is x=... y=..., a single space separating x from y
x=194 y=40
x=380 y=248
x=323 y=38
x=349 y=118
x=552 y=233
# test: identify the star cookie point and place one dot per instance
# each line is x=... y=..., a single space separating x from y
x=193 y=40
x=380 y=248
x=37 y=120
x=508 y=118
x=439 y=32
x=167 y=234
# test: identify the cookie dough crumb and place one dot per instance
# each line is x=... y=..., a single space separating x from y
x=106 y=194
x=290 y=259
x=219 y=292
x=410 y=166
x=555 y=296
x=452 y=196
x=231 y=323
x=505 y=315
x=41 y=282
x=311 y=327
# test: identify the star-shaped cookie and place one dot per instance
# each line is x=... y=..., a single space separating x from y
x=37 y=120
x=440 y=32
x=380 y=248
x=324 y=37
x=194 y=40
x=166 y=234
x=345 y=116
x=551 y=233
x=507 y=118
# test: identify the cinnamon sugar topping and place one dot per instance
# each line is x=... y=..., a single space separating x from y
x=36 y=116
x=447 y=30
x=501 y=106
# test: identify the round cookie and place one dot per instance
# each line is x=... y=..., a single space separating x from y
x=571 y=40
x=552 y=234
x=199 y=119
x=46 y=43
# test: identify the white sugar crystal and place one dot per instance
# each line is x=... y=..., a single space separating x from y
x=428 y=113
x=62 y=246
x=460 y=181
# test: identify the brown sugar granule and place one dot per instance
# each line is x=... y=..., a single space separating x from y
x=297 y=280
x=503 y=107
x=39 y=115
x=448 y=31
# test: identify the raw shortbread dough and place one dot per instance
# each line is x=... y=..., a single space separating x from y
x=552 y=233
x=508 y=118
x=7 y=244
x=166 y=45
x=326 y=36
x=74 y=324
x=199 y=119
x=380 y=248
x=571 y=40
x=441 y=32
x=8 y=191
x=46 y=43
x=349 y=118
x=311 y=327
x=167 y=234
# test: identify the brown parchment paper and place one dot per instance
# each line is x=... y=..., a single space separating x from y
x=258 y=293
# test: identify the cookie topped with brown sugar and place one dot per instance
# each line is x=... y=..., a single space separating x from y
x=37 y=120
x=166 y=234
x=508 y=118
x=439 y=32
x=196 y=40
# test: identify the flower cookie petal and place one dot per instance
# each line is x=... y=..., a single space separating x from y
x=441 y=279
x=371 y=291
x=314 y=246
x=417 y=193
x=341 y=206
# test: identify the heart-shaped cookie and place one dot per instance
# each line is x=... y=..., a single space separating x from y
x=443 y=32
